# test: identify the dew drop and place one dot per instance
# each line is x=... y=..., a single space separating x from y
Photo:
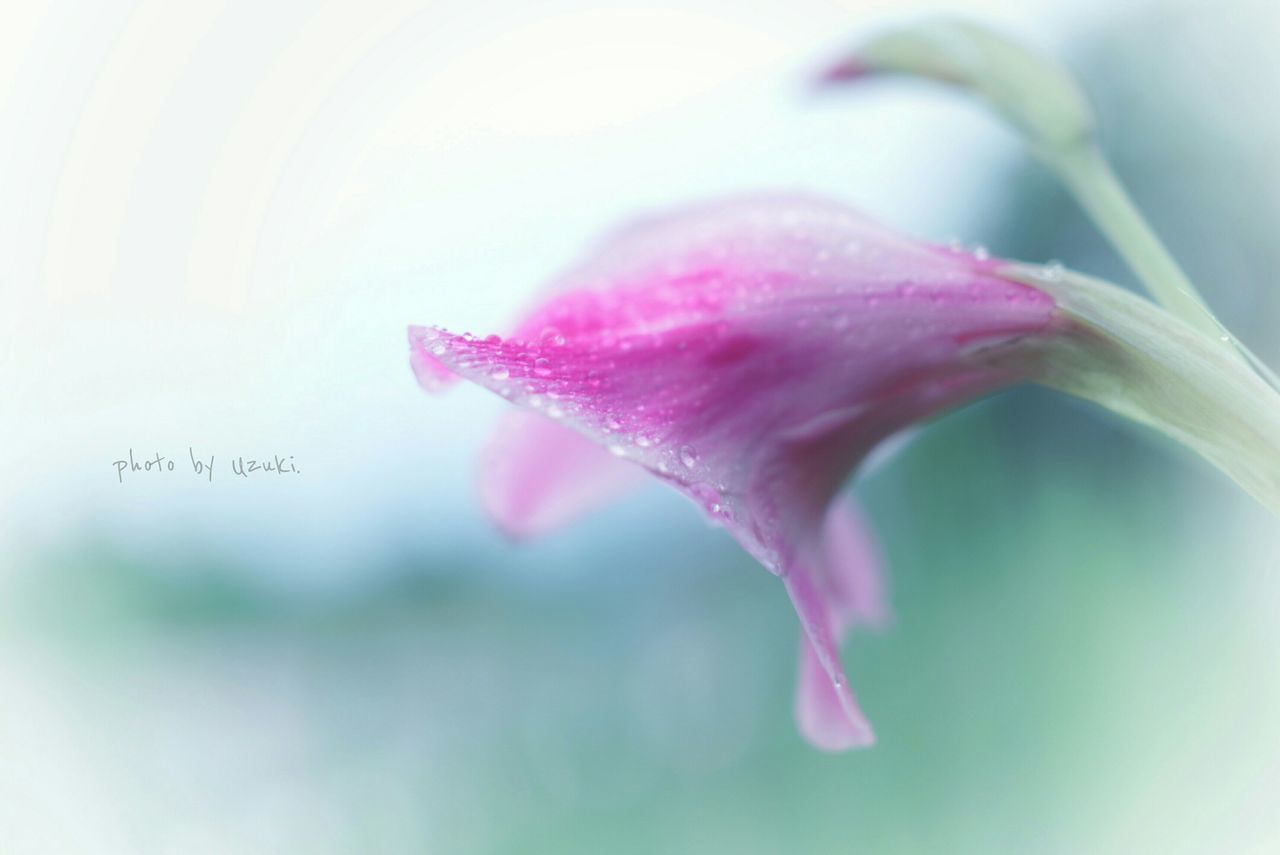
x=439 y=348
x=499 y=372
x=980 y=252
x=688 y=457
x=618 y=450
x=712 y=502
x=542 y=366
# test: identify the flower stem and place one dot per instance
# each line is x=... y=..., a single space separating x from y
x=1095 y=186
x=1138 y=360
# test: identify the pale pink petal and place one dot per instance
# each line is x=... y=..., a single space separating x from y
x=855 y=569
x=536 y=475
x=431 y=373
x=849 y=69
x=827 y=713
x=850 y=588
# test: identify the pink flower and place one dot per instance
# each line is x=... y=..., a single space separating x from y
x=749 y=354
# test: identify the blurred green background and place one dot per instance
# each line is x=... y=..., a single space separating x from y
x=1083 y=652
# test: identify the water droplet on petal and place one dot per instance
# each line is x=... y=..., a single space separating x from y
x=439 y=348
x=499 y=372
x=688 y=457
x=542 y=366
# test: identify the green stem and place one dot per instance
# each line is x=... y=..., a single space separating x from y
x=1095 y=186
x=1137 y=360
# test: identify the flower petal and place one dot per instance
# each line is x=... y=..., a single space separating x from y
x=855 y=569
x=706 y=260
x=536 y=475
x=827 y=712
x=431 y=373
x=751 y=354
x=851 y=590
x=721 y=327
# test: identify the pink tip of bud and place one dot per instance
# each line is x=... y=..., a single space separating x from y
x=843 y=72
